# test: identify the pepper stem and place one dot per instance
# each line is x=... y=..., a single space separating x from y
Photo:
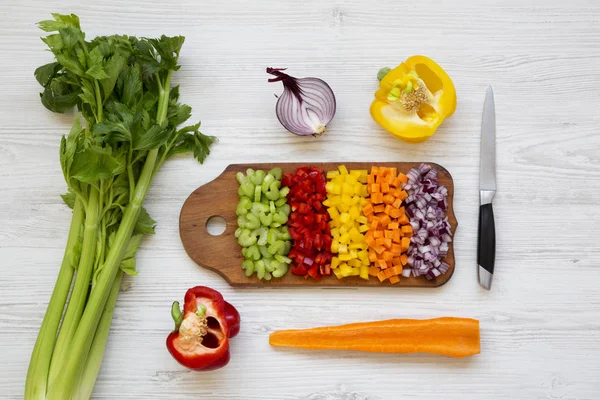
x=382 y=73
x=176 y=314
x=201 y=311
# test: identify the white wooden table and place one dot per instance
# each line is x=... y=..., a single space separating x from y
x=540 y=324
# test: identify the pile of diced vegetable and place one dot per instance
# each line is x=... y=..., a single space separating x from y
x=381 y=223
x=262 y=213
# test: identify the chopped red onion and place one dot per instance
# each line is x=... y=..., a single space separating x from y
x=426 y=206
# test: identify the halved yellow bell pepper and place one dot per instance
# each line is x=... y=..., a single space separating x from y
x=413 y=99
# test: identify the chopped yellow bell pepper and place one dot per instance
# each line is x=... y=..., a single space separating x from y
x=413 y=99
x=346 y=195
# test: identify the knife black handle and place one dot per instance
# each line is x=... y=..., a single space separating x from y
x=486 y=245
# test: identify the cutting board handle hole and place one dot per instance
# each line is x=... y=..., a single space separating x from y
x=216 y=225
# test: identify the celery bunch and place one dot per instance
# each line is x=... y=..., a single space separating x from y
x=127 y=126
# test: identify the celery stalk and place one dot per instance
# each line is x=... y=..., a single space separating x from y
x=83 y=277
x=39 y=366
x=80 y=345
x=92 y=366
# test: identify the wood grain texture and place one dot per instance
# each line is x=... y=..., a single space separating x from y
x=221 y=253
x=540 y=329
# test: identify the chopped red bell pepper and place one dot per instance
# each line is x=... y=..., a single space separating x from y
x=200 y=340
x=308 y=222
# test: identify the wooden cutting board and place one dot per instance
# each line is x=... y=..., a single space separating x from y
x=222 y=253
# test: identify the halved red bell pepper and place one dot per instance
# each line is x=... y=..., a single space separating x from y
x=200 y=340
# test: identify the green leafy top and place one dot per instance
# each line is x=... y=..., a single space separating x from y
x=115 y=82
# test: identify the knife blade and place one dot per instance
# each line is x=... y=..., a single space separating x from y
x=486 y=243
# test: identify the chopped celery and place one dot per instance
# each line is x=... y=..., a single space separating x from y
x=267 y=182
x=283 y=259
x=277 y=173
x=282 y=201
x=262 y=233
x=262 y=212
x=257 y=194
x=270 y=265
x=248 y=266
x=258 y=177
x=266 y=219
x=283 y=192
x=253 y=221
x=260 y=269
x=281 y=270
x=264 y=251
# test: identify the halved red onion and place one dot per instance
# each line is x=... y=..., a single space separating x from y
x=306 y=106
x=426 y=206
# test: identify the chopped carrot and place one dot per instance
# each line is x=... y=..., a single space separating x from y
x=403 y=220
x=388 y=199
x=373 y=226
x=395 y=213
x=389 y=227
x=372 y=256
x=404 y=259
x=387 y=256
x=377 y=198
x=385 y=220
x=394 y=279
x=405 y=243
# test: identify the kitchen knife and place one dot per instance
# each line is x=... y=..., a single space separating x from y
x=486 y=244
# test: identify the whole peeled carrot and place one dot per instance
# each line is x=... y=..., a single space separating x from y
x=454 y=337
